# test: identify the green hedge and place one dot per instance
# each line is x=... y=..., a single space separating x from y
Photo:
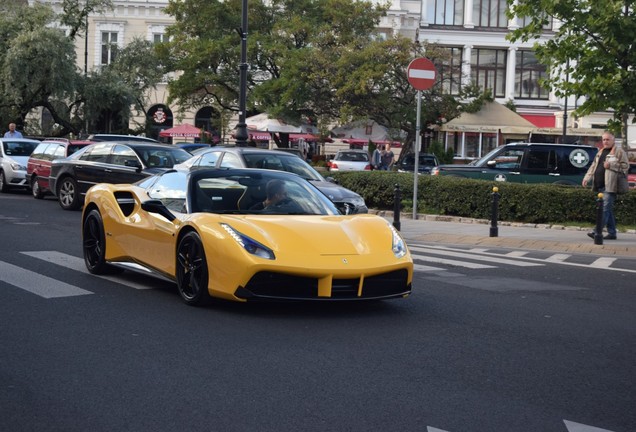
x=531 y=203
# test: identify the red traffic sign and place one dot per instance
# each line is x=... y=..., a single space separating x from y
x=421 y=73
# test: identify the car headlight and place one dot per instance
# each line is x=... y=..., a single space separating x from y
x=249 y=244
x=398 y=246
x=17 y=167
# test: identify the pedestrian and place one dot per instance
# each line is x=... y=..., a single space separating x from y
x=609 y=162
x=376 y=158
x=388 y=158
x=12 y=133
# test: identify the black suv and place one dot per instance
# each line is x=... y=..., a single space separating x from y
x=250 y=157
x=528 y=163
x=109 y=162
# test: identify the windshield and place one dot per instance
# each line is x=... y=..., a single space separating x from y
x=282 y=162
x=257 y=193
x=19 y=148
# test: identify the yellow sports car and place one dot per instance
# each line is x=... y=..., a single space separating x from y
x=243 y=234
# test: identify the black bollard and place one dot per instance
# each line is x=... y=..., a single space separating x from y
x=598 y=232
x=494 y=230
x=397 y=201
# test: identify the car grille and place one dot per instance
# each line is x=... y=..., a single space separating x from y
x=278 y=286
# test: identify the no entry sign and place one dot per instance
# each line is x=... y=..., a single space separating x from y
x=421 y=73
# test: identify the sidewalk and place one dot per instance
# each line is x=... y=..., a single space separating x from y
x=476 y=232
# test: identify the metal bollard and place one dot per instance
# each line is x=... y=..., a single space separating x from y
x=598 y=232
x=397 y=203
x=494 y=230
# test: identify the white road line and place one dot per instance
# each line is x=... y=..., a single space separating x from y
x=489 y=259
x=539 y=260
x=557 y=258
x=452 y=262
x=478 y=250
x=578 y=427
x=432 y=429
x=425 y=268
x=603 y=262
x=77 y=264
x=517 y=254
x=36 y=283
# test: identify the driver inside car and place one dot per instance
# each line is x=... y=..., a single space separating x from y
x=276 y=195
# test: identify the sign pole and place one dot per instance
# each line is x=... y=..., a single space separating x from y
x=418 y=141
x=421 y=74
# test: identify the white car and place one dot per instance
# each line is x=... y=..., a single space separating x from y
x=14 y=154
x=350 y=160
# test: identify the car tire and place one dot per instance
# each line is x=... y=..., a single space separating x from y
x=36 y=190
x=3 y=183
x=192 y=270
x=94 y=245
x=68 y=194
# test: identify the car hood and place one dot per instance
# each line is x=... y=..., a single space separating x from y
x=316 y=235
x=334 y=191
x=22 y=160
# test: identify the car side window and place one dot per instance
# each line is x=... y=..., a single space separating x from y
x=99 y=153
x=59 y=152
x=230 y=160
x=171 y=190
x=209 y=159
x=539 y=160
x=38 y=153
x=123 y=156
x=508 y=159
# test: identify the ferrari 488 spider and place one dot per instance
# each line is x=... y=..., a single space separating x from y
x=243 y=234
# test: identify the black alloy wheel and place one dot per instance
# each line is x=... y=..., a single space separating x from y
x=192 y=270
x=36 y=190
x=68 y=194
x=94 y=245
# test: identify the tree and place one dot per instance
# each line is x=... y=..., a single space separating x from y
x=593 y=48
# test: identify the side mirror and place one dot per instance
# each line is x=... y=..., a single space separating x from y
x=156 y=206
x=331 y=180
x=491 y=163
x=345 y=208
x=133 y=163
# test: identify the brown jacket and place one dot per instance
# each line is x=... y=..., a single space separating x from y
x=618 y=162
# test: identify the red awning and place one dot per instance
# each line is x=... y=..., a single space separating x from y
x=542 y=121
x=182 y=131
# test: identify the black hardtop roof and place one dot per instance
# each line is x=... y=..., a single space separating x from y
x=547 y=145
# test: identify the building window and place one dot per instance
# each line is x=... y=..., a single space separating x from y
x=159 y=38
x=450 y=70
x=528 y=72
x=523 y=22
x=488 y=70
x=445 y=12
x=490 y=13
x=109 y=47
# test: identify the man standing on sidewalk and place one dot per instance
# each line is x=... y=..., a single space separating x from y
x=608 y=163
x=12 y=133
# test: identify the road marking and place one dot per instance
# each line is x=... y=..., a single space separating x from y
x=453 y=262
x=489 y=259
x=77 y=264
x=425 y=268
x=517 y=254
x=432 y=429
x=578 y=427
x=38 y=284
x=558 y=258
x=603 y=262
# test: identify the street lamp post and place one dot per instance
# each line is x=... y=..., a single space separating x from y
x=241 y=127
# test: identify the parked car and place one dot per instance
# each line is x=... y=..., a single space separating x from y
x=109 y=162
x=564 y=164
x=39 y=163
x=250 y=157
x=199 y=228
x=190 y=147
x=116 y=137
x=294 y=151
x=631 y=176
x=350 y=160
x=14 y=154
x=426 y=162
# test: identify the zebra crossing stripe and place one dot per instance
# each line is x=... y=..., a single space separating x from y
x=432 y=429
x=38 y=284
x=517 y=254
x=452 y=262
x=489 y=259
x=77 y=264
x=425 y=268
x=558 y=258
x=603 y=262
x=578 y=427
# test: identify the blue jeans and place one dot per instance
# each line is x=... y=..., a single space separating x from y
x=608 y=212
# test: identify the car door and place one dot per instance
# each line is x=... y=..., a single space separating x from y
x=90 y=168
x=504 y=166
x=124 y=166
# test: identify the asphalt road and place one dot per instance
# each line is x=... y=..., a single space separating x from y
x=484 y=344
